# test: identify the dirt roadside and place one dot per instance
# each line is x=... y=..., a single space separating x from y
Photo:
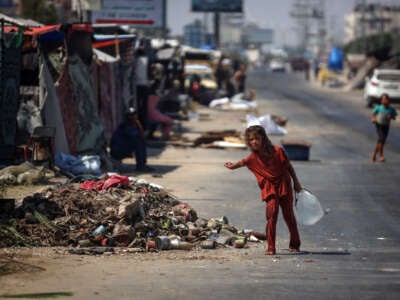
x=38 y=270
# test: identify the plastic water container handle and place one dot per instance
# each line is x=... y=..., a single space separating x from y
x=295 y=196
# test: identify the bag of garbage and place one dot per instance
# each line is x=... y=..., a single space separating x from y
x=267 y=122
x=307 y=208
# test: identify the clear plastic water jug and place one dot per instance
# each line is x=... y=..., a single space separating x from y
x=307 y=208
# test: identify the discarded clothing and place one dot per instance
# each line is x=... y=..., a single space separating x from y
x=103 y=185
x=87 y=164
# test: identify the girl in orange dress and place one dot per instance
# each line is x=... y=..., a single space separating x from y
x=274 y=174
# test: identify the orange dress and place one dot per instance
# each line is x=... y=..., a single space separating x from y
x=272 y=175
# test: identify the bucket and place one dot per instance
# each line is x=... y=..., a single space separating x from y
x=296 y=150
x=162 y=242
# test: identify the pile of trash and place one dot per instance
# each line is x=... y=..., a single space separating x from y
x=92 y=214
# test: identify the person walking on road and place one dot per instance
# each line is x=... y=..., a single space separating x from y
x=240 y=78
x=274 y=174
x=381 y=116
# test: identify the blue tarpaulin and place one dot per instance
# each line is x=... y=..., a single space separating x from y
x=335 y=60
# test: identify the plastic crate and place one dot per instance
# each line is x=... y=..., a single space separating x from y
x=297 y=150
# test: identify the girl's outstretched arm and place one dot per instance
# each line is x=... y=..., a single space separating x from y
x=233 y=166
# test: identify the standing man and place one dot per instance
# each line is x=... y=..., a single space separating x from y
x=240 y=78
x=142 y=82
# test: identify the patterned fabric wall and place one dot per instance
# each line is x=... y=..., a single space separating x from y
x=10 y=69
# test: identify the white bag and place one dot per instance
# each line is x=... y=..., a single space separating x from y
x=266 y=121
x=307 y=208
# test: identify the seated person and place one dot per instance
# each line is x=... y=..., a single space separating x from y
x=129 y=138
x=155 y=117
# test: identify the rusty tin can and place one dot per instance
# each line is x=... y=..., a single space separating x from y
x=208 y=244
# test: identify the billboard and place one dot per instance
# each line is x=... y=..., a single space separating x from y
x=217 y=5
x=140 y=13
x=6 y=3
x=259 y=36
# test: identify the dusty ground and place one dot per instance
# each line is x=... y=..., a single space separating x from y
x=41 y=270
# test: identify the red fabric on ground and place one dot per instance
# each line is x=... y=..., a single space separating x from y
x=103 y=185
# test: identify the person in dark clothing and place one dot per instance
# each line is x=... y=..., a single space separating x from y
x=240 y=79
x=229 y=88
x=220 y=73
x=129 y=138
x=142 y=83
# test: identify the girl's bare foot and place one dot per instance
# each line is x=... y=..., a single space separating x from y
x=373 y=158
x=269 y=252
x=381 y=159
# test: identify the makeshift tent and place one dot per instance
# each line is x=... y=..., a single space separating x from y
x=114 y=77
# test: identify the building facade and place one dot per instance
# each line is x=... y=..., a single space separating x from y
x=369 y=19
x=194 y=34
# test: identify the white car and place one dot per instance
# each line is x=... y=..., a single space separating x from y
x=382 y=81
x=277 y=65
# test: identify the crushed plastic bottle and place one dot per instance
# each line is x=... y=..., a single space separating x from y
x=307 y=208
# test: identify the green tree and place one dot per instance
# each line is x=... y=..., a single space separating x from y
x=39 y=11
x=377 y=45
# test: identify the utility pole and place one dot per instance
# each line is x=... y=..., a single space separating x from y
x=306 y=12
x=217 y=29
x=363 y=20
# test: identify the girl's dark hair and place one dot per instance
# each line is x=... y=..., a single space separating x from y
x=260 y=131
x=385 y=95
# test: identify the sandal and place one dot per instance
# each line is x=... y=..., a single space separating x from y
x=270 y=252
x=294 y=250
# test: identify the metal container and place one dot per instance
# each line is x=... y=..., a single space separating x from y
x=183 y=246
x=150 y=246
x=85 y=243
x=239 y=243
x=99 y=231
x=162 y=242
x=259 y=235
x=222 y=219
x=174 y=242
x=208 y=244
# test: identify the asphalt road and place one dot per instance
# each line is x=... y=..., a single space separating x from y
x=352 y=253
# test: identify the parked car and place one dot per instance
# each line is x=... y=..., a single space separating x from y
x=382 y=81
x=299 y=64
x=277 y=65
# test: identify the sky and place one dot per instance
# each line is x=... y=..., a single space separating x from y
x=273 y=14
